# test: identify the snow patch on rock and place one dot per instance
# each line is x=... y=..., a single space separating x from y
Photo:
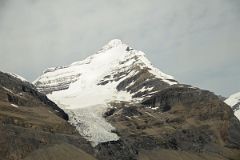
x=15 y=106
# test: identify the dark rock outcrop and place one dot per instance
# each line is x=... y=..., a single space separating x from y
x=22 y=87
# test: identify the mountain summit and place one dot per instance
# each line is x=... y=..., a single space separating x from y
x=115 y=62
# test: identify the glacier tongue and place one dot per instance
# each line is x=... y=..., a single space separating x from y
x=91 y=124
x=76 y=88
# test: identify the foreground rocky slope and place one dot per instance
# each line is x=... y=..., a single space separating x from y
x=130 y=110
x=234 y=102
x=33 y=127
x=175 y=123
x=186 y=123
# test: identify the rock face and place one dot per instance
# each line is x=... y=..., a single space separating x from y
x=234 y=102
x=130 y=110
x=10 y=84
x=186 y=122
x=33 y=127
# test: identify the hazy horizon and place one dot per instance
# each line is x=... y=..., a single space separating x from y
x=197 y=42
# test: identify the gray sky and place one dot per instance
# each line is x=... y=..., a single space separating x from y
x=196 y=41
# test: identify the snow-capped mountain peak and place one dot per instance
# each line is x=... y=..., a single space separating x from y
x=112 y=58
x=234 y=102
x=233 y=99
x=115 y=73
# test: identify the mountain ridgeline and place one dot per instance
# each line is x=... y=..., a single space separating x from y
x=119 y=107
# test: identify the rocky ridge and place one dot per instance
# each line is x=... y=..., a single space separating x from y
x=34 y=127
x=234 y=102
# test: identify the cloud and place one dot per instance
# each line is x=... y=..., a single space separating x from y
x=187 y=39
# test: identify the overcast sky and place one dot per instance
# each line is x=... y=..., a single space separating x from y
x=196 y=41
